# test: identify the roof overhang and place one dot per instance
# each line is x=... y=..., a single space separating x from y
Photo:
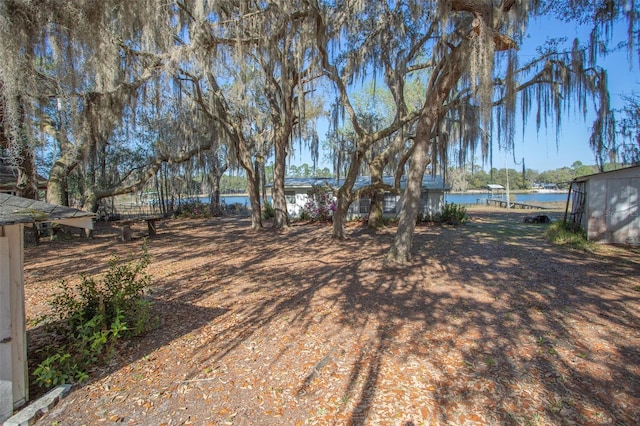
x=16 y=210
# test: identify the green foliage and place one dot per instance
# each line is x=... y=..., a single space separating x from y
x=464 y=179
x=306 y=171
x=561 y=234
x=192 y=209
x=268 y=211
x=233 y=184
x=453 y=214
x=88 y=320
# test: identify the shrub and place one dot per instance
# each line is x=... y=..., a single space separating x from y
x=192 y=209
x=562 y=234
x=320 y=204
x=454 y=214
x=88 y=320
x=268 y=211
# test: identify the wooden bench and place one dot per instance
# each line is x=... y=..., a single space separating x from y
x=127 y=233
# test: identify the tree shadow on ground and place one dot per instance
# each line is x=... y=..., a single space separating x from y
x=487 y=325
x=173 y=319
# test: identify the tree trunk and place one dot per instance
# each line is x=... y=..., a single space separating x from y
x=57 y=191
x=400 y=251
x=281 y=219
x=214 y=179
x=27 y=178
x=91 y=200
x=376 y=221
x=376 y=169
x=340 y=215
x=253 y=189
x=430 y=116
x=345 y=194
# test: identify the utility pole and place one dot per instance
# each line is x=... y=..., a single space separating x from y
x=507 y=173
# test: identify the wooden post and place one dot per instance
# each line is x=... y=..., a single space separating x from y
x=151 y=225
x=6 y=371
x=15 y=357
x=18 y=318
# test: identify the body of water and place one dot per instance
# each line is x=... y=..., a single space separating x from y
x=463 y=198
x=528 y=198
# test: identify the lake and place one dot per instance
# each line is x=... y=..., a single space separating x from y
x=457 y=198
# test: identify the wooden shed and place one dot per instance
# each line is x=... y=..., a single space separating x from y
x=15 y=213
x=607 y=205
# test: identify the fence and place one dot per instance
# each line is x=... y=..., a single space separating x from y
x=127 y=210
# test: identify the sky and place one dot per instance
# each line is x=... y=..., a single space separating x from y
x=543 y=150
x=539 y=149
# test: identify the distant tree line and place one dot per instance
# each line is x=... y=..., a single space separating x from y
x=464 y=179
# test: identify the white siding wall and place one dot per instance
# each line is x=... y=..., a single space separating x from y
x=13 y=352
x=431 y=203
x=295 y=209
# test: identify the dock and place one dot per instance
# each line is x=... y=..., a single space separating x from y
x=512 y=204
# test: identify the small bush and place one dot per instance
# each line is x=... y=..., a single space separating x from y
x=193 y=209
x=88 y=321
x=268 y=211
x=561 y=234
x=453 y=214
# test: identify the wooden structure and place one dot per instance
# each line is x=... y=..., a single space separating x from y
x=15 y=213
x=495 y=192
x=512 y=204
x=607 y=206
x=9 y=175
x=126 y=233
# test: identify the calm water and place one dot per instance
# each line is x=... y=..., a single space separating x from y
x=449 y=198
x=520 y=198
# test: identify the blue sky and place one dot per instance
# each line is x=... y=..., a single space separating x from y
x=542 y=150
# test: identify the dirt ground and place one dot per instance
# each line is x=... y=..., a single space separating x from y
x=490 y=324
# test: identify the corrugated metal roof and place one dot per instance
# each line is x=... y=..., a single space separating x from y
x=23 y=210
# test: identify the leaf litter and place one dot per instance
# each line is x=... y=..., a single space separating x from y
x=291 y=328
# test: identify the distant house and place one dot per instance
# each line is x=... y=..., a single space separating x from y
x=607 y=205
x=15 y=213
x=431 y=199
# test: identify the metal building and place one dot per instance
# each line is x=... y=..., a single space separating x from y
x=607 y=205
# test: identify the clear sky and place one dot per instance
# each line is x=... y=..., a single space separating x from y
x=540 y=150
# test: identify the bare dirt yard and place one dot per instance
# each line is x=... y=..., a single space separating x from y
x=490 y=324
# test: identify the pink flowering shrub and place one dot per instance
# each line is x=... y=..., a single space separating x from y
x=320 y=204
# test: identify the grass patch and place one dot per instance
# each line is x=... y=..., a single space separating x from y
x=558 y=233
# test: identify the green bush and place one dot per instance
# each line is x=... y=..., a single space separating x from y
x=561 y=234
x=192 y=209
x=268 y=211
x=88 y=320
x=453 y=214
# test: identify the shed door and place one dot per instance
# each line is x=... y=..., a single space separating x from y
x=623 y=210
x=6 y=371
